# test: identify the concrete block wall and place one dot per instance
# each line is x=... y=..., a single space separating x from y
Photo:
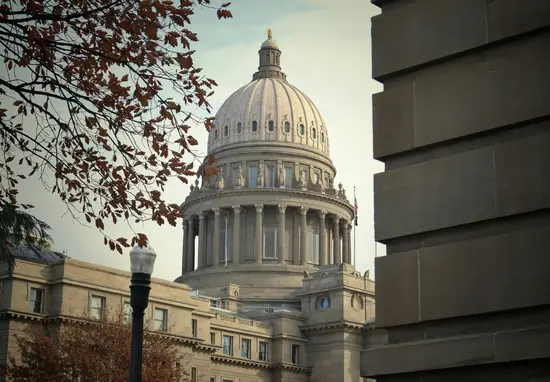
x=463 y=206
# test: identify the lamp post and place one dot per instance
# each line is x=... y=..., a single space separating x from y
x=142 y=262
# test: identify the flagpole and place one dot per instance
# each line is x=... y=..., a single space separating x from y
x=354 y=225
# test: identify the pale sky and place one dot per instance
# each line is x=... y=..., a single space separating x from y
x=326 y=53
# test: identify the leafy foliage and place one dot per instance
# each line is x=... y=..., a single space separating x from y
x=18 y=227
x=91 y=352
x=85 y=104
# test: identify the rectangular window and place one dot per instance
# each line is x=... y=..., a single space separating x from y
x=36 y=300
x=252 y=176
x=289 y=177
x=97 y=307
x=270 y=176
x=160 y=319
x=213 y=338
x=296 y=354
x=193 y=374
x=313 y=255
x=235 y=176
x=245 y=348
x=263 y=351
x=315 y=177
x=270 y=243
x=194 y=328
x=225 y=244
x=228 y=345
x=127 y=313
x=212 y=379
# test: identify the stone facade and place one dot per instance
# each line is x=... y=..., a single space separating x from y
x=309 y=343
x=463 y=205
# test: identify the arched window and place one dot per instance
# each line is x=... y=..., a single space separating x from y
x=302 y=129
x=313 y=133
x=254 y=126
x=322 y=137
x=270 y=126
x=287 y=127
x=239 y=127
x=216 y=134
x=225 y=131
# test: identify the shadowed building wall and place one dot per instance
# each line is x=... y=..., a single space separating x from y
x=463 y=128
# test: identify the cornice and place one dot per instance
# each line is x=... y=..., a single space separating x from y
x=293 y=367
x=241 y=361
x=206 y=194
x=341 y=325
x=6 y=314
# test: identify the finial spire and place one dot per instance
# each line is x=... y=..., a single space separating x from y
x=269 y=34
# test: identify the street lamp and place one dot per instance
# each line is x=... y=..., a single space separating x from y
x=142 y=262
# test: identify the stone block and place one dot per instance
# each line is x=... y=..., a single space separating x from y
x=422 y=31
x=489 y=274
x=431 y=195
x=523 y=174
x=397 y=289
x=521 y=345
x=507 y=18
x=427 y=355
x=393 y=119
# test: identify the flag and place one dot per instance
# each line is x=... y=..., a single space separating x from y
x=356 y=210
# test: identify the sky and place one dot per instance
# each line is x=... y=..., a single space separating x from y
x=326 y=53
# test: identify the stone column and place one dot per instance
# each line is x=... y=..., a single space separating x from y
x=259 y=233
x=191 y=244
x=323 y=256
x=303 y=235
x=201 y=260
x=350 y=249
x=184 y=247
x=236 y=234
x=217 y=221
x=336 y=236
x=281 y=247
x=295 y=237
x=345 y=243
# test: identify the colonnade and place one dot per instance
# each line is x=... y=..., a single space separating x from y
x=341 y=237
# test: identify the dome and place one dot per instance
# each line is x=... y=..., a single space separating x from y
x=269 y=111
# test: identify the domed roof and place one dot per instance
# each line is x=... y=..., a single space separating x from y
x=269 y=109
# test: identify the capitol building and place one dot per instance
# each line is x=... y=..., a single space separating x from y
x=267 y=291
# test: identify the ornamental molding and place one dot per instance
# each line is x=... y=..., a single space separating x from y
x=241 y=361
x=346 y=326
x=207 y=193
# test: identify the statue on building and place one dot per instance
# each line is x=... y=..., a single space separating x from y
x=281 y=176
x=302 y=180
x=330 y=189
x=239 y=181
x=340 y=190
x=343 y=196
x=220 y=183
x=260 y=177
x=319 y=186
x=195 y=190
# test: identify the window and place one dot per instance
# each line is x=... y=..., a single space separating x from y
x=225 y=131
x=235 y=175
x=254 y=126
x=160 y=319
x=216 y=134
x=263 y=351
x=313 y=133
x=271 y=126
x=193 y=374
x=253 y=176
x=127 y=313
x=287 y=127
x=227 y=380
x=239 y=127
x=194 y=328
x=213 y=338
x=97 y=308
x=270 y=176
x=36 y=299
x=245 y=348
x=314 y=248
x=302 y=129
x=322 y=137
x=289 y=176
x=228 y=345
x=296 y=354
x=212 y=379
x=270 y=243
x=323 y=303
